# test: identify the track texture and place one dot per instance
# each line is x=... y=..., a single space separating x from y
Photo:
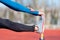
x=11 y=35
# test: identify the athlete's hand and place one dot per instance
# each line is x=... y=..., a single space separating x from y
x=36 y=28
x=32 y=9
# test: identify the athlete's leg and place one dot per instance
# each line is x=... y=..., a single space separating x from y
x=5 y=23
x=18 y=7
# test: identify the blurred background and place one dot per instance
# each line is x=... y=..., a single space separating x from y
x=50 y=7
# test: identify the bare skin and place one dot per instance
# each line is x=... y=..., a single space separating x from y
x=41 y=12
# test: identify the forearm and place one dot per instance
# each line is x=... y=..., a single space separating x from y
x=18 y=7
x=5 y=23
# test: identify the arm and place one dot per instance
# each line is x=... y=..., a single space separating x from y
x=18 y=7
x=18 y=27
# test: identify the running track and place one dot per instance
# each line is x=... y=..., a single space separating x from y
x=6 y=34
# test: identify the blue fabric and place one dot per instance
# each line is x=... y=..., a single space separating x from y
x=18 y=7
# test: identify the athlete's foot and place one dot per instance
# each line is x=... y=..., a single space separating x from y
x=41 y=13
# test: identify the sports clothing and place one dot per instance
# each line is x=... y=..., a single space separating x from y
x=18 y=7
x=7 y=24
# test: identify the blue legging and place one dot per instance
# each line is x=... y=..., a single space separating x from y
x=18 y=7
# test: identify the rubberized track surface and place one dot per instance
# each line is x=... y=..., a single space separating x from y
x=11 y=35
x=52 y=34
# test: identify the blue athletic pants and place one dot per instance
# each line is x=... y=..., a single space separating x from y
x=18 y=7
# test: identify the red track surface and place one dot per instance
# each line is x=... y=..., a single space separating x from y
x=52 y=34
x=10 y=35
